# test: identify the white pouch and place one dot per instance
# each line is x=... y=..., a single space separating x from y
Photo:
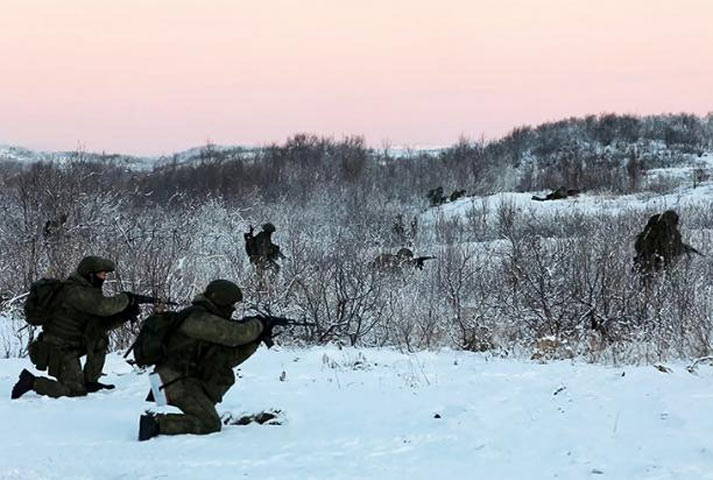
x=159 y=394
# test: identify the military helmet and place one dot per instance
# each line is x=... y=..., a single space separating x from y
x=268 y=227
x=404 y=253
x=223 y=293
x=670 y=216
x=93 y=264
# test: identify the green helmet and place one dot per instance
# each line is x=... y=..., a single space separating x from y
x=93 y=264
x=223 y=293
x=404 y=253
x=670 y=217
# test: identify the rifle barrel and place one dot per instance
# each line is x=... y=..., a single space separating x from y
x=144 y=299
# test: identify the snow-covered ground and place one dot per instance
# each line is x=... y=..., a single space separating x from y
x=585 y=203
x=382 y=414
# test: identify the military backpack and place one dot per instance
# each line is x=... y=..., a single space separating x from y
x=150 y=346
x=42 y=301
x=251 y=247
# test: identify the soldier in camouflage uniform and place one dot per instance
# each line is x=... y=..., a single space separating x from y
x=660 y=243
x=260 y=249
x=79 y=327
x=559 y=194
x=388 y=263
x=201 y=356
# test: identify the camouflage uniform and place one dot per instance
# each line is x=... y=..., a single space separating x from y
x=404 y=259
x=660 y=243
x=79 y=328
x=203 y=352
x=261 y=251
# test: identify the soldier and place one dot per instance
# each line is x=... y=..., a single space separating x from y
x=78 y=327
x=386 y=263
x=54 y=228
x=660 y=243
x=559 y=194
x=389 y=263
x=260 y=249
x=198 y=368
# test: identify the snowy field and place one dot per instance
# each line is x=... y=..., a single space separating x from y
x=381 y=414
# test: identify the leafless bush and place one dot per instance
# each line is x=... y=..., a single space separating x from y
x=507 y=278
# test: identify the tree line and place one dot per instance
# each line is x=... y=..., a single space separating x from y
x=502 y=280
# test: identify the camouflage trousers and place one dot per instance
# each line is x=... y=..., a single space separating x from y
x=64 y=363
x=199 y=414
x=198 y=406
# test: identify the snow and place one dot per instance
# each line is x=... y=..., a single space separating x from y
x=380 y=413
x=371 y=413
x=600 y=204
x=21 y=154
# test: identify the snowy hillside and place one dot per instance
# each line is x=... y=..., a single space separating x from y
x=14 y=153
x=380 y=414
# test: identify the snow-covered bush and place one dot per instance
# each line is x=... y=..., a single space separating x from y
x=506 y=275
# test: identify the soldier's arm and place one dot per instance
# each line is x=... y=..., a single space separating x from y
x=92 y=301
x=211 y=328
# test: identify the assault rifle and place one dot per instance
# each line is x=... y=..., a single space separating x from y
x=139 y=299
x=270 y=321
x=132 y=313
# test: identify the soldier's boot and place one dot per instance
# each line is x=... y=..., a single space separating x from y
x=96 y=386
x=24 y=384
x=148 y=427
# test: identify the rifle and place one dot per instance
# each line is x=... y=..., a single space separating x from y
x=139 y=299
x=418 y=261
x=270 y=321
x=689 y=250
x=135 y=299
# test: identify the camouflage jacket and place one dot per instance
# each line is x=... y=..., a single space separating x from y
x=84 y=313
x=266 y=248
x=207 y=346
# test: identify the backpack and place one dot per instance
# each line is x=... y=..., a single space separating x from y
x=42 y=301
x=150 y=346
x=251 y=247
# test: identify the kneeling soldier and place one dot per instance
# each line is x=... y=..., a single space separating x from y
x=197 y=369
x=78 y=327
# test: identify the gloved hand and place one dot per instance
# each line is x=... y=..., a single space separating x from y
x=268 y=323
x=266 y=336
x=132 y=298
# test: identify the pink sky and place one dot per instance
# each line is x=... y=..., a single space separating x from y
x=157 y=76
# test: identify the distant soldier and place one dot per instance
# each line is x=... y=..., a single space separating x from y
x=260 y=249
x=386 y=263
x=78 y=327
x=660 y=244
x=201 y=354
x=456 y=194
x=54 y=228
x=389 y=263
x=435 y=196
x=559 y=194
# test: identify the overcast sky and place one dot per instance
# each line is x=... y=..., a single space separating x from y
x=156 y=76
